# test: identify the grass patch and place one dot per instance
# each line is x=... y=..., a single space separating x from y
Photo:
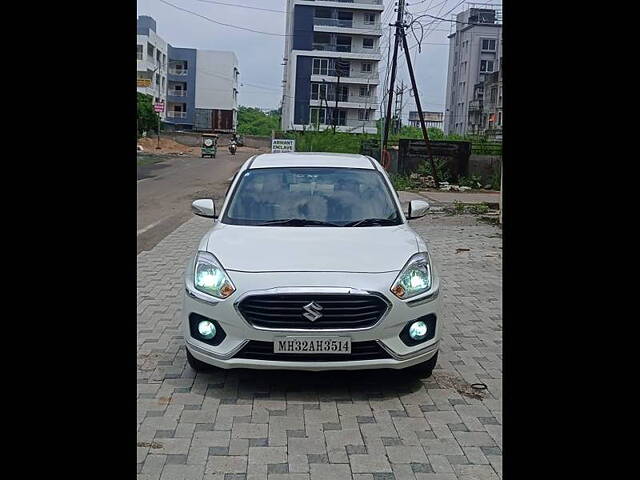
x=460 y=208
x=143 y=160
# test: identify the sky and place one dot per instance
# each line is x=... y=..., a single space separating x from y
x=260 y=56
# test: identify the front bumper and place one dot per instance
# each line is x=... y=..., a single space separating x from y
x=385 y=333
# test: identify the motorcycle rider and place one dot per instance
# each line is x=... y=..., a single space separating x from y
x=233 y=145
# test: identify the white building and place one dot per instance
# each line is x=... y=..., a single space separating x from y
x=475 y=49
x=151 y=61
x=332 y=53
x=199 y=87
x=216 y=78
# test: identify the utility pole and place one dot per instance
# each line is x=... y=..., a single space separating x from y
x=163 y=106
x=394 y=65
x=340 y=70
x=335 y=110
x=414 y=86
x=398 y=110
x=400 y=36
x=153 y=76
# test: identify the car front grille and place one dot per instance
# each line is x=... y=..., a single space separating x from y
x=338 y=311
x=255 y=350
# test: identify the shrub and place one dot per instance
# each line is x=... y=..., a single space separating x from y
x=474 y=181
x=479 y=209
x=146 y=116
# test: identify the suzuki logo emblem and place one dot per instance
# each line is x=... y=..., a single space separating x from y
x=313 y=311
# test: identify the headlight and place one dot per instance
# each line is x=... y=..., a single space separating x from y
x=210 y=277
x=415 y=277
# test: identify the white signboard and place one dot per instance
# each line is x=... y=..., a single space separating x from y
x=281 y=146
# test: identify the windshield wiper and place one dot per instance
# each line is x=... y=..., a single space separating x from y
x=298 y=222
x=372 y=221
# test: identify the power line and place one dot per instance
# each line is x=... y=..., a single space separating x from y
x=242 y=6
x=364 y=31
x=221 y=23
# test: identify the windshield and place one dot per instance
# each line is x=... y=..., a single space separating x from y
x=312 y=197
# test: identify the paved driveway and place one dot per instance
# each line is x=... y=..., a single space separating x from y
x=233 y=425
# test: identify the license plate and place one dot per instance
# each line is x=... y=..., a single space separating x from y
x=312 y=345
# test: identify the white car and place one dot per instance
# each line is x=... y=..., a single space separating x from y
x=312 y=265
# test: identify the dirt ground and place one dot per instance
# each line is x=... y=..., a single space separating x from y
x=166 y=146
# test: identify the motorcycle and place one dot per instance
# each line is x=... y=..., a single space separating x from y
x=233 y=147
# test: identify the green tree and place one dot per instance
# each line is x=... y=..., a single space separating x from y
x=147 y=118
x=253 y=121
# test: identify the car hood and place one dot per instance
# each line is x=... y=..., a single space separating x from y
x=320 y=249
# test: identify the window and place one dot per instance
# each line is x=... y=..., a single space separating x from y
x=150 y=50
x=343 y=44
x=364 y=115
x=139 y=52
x=318 y=91
x=488 y=45
x=369 y=18
x=500 y=119
x=157 y=79
x=486 y=66
x=322 y=13
x=320 y=66
x=366 y=67
x=318 y=116
x=335 y=196
x=345 y=19
x=365 y=91
x=367 y=43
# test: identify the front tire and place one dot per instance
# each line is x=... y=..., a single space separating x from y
x=424 y=369
x=196 y=364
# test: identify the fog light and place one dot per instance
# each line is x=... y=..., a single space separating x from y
x=207 y=329
x=418 y=330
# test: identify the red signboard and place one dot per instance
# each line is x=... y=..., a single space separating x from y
x=158 y=107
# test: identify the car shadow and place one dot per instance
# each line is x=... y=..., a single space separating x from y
x=380 y=382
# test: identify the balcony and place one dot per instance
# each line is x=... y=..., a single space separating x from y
x=336 y=22
x=351 y=122
x=475 y=105
x=331 y=48
x=328 y=47
x=333 y=22
x=330 y=98
x=366 y=2
x=179 y=71
x=177 y=93
x=172 y=114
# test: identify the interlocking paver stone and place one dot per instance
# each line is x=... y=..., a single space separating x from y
x=228 y=424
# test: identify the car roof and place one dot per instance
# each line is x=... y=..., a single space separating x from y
x=310 y=159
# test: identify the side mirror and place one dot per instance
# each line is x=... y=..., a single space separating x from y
x=417 y=209
x=204 y=207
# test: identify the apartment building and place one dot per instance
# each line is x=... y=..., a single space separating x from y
x=431 y=119
x=199 y=87
x=492 y=109
x=331 y=65
x=202 y=90
x=475 y=49
x=151 y=61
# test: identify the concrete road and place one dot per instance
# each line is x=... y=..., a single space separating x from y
x=167 y=188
